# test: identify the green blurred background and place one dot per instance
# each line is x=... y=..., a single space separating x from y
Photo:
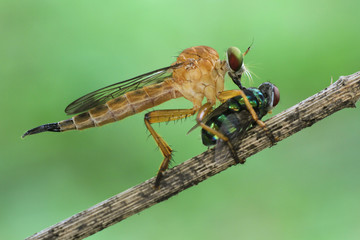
x=52 y=52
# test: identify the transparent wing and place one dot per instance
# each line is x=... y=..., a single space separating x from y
x=217 y=111
x=107 y=93
x=234 y=127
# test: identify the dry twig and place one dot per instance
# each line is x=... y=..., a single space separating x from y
x=342 y=94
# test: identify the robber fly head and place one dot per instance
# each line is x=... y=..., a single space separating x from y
x=235 y=63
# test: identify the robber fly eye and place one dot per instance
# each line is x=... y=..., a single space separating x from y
x=234 y=58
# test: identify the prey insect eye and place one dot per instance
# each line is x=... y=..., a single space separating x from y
x=234 y=58
x=276 y=96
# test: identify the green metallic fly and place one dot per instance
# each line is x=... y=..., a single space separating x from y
x=232 y=118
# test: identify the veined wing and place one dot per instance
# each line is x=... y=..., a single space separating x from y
x=217 y=111
x=107 y=93
x=234 y=127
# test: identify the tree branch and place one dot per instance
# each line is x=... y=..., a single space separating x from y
x=342 y=94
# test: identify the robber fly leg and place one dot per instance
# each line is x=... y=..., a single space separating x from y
x=164 y=116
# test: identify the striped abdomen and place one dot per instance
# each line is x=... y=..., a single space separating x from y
x=121 y=107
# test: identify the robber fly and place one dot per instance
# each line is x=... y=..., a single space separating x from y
x=232 y=118
x=198 y=73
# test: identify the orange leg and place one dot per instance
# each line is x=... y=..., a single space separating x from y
x=204 y=110
x=164 y=116
x=225 y=95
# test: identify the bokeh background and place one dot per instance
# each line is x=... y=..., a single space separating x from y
x=52 y=52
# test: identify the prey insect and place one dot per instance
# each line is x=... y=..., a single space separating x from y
x=198 y=73
x=232 y=118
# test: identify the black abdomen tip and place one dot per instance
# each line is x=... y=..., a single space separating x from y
x=50 y=127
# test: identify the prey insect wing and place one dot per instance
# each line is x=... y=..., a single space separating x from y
x=213 y=113
x=234 y=127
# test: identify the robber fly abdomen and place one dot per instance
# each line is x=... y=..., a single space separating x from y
x=121 y=107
